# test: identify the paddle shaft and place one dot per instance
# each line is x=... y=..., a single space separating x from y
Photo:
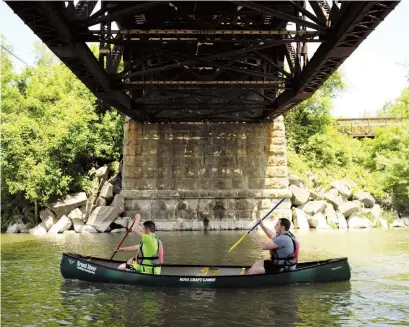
x=267 y=214
x=123 y=239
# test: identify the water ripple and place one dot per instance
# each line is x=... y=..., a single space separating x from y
x=35 y=294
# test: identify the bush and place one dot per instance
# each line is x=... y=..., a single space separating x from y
x=51 y=133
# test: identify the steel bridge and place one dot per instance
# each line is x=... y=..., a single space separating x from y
x=192 y=61
x=366 y=127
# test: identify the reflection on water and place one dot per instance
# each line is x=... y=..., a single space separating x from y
x=35 y=294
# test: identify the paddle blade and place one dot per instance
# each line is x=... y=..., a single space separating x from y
x=237 y=243
x=203 y=272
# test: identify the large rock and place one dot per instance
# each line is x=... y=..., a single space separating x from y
x=100 y=202
x=113 y=179
x=78 y=225
x=343 y=187
x=88 y=229
x=300 y=196
x=366 y=198
x=398 y=223
x=116 y=181
x=89 y=205
x=40 y=229
x=333 y=199
x=23 y=228
x=348 y=208
x=118 y=203
x=313 y=207
x=13 y=229
x=69 y=232
x=101 y=218
x=102 y=173
x=75 y=214
x=125 y=222
x=318 y=221
x=118 y=230
x=333 y=192
x=48 y=218
x=61 y=226
x=382 y=222
x=357 y=221
x=315 y=195
x=70 y=202
x=296 y=180
x=342 y=222
x=405 y=221
x=300 y=219
x=332 y=218
x=83 y=210
x=376 y=211
x=107 y=191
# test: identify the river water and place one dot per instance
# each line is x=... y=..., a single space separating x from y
x=33 y=293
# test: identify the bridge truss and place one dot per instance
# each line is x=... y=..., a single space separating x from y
x=191 y=61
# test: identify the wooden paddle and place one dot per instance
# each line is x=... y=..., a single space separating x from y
x=267 y=214
x=123 y=239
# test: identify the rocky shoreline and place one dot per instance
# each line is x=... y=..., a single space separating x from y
x=103 y=211
x=100 y=212
x=337 y=208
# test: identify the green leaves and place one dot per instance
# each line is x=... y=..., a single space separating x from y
x=379 y=165
x=312 y=116
x=51 y=133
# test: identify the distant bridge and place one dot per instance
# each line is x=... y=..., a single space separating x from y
x=365 y=127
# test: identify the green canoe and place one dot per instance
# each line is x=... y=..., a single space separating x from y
x=76 y=266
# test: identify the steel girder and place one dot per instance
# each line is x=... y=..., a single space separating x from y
x=191 y=61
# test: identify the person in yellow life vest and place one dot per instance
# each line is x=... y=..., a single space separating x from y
x=149 y=252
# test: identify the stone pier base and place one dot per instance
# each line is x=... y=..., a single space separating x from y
x=195 y=176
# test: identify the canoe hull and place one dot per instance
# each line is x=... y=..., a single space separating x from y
x=74 y=266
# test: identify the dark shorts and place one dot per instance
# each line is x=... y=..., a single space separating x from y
x=271 y=268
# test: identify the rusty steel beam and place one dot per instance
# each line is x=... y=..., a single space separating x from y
x=217 y=36
x=307 y=13
x=127 y=11
x=266 y=10
x=77 y=56
x=331 y=54
x=205 y=84
x=192 y=60
x=207 y=62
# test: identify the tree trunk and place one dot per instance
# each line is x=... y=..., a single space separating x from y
x=35 y=212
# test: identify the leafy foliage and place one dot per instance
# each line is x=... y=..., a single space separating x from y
x=51 y=133
x=312 y=116
x=321 y=154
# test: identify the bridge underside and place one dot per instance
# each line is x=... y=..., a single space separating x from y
x=203 y=61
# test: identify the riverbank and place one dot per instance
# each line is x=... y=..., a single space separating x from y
x=342 y=206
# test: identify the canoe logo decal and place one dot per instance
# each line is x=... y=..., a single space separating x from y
x=339 y=267
x=86 y=267
x=196 y=279
x=71 y=261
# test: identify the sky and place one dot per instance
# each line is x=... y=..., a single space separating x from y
x=375 y=73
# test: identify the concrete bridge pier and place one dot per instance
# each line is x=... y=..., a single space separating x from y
x=195 y=176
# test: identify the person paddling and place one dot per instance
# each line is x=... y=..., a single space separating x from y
x=283 y=248
x=149 y=252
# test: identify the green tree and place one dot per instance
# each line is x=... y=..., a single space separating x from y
x=399 y=108
x=389 y=152
x=51 y=133
x=312 y=116
x=318 y=149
